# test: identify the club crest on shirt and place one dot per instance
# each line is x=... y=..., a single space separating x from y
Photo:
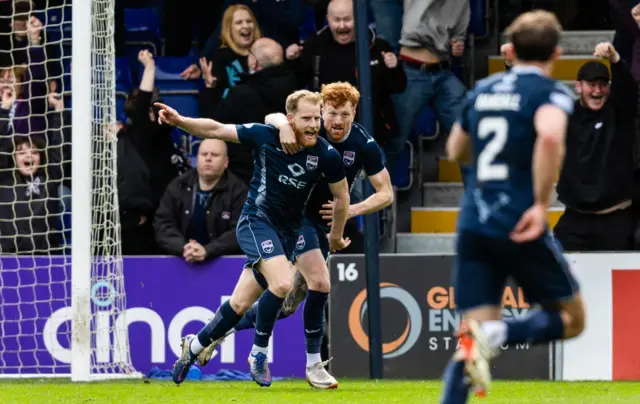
x=300 y=243
x=312 y=162
x=348 y=157
x=267 y=246
x=226 y=215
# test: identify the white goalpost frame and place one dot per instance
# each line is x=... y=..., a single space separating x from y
x=81 y=203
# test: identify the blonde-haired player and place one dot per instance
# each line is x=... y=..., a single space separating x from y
x=271 y=220
x=359 y=152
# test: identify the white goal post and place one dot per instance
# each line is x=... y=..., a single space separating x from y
x=62 y=305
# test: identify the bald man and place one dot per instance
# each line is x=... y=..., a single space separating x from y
x=198 y=212
x=263 y=92
x=265 y=53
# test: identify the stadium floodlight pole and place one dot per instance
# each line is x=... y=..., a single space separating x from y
x=371 y=221
x=81 y=184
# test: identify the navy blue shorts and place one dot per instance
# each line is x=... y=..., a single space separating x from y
x=483 y=264
x=311 y=236
x=260 y=241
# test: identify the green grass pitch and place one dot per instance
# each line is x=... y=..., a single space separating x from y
x=351 y=391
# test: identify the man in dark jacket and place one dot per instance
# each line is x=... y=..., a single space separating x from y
x=262 y=93
x=330 y=56
x=596 y=182
x=199 y=211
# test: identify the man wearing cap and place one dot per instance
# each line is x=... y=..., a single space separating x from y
x=596 y=182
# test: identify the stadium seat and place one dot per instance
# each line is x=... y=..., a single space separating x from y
x=142 y=26
x=308 y=29
x=477 y=21
x=168 y=78
x=402 y=176
x=120 y=114
x=124 y=81
x=57 y=23
x=427 y=125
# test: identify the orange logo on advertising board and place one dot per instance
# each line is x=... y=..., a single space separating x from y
x=409 y=335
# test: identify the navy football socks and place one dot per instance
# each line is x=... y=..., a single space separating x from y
x=223 y=321
x=314 y=320
x=267 y=313
x=538 y=327
x=456 y=390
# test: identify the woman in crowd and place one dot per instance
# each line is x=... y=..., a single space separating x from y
x=239 y=31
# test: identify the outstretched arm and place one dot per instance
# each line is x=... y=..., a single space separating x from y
x=382 y=198
x=200 y=127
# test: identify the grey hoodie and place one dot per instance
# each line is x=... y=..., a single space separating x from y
x=432 y=24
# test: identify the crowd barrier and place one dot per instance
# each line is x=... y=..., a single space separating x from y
x=167 y=298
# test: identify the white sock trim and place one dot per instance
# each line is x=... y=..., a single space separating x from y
x=496 y=332
x=313 y=358
x=195 y=346
x=258 y=349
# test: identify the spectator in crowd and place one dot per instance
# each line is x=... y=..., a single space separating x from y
x=29 y=209
x=279 y=20
x=596 y=182
x=16 y=44
x=28 y=95
x=199 y=211
x=388 y=17
x=239 y=31
x=263 y=92
x=180 y=20
x=330 y=57
x=153 y=142
x=432 y=32
x=135 y=198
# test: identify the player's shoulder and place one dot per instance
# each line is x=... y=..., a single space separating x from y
x=265 y=134
x=324 y=148
x=360 y=136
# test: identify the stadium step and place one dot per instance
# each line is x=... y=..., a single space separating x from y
x=565 y=69
x=444 y=220
x=443 y=194
x=580 y=42
x=410 y=243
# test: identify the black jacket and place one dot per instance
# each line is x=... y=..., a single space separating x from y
x=155 y=146
x=30 y=211
x=598 y=167
x=176 y=207
x=262 y=93
x=317 y=66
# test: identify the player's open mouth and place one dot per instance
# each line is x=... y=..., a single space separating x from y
x=245 y=35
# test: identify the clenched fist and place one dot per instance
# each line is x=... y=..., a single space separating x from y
x=605 y=50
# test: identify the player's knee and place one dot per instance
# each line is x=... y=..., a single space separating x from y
x=240 y=305
x=281 y=286
x=320 y=283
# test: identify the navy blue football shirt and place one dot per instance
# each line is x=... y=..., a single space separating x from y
x=359 y=151
x=499 y=116
x=282 y=183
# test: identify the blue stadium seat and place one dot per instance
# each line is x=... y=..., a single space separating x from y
x=426 y=125
x=477 y=21
x=308 y=29
x=142 y=26
x=124 y=81
x=168 y=78
x=185 y=104
x=66 y=74
x=120 y=114
x=403 y=173
x=57 y=23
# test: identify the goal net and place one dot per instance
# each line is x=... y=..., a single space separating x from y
x=62 y=297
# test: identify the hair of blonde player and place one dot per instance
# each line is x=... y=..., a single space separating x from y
x=294 y=99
